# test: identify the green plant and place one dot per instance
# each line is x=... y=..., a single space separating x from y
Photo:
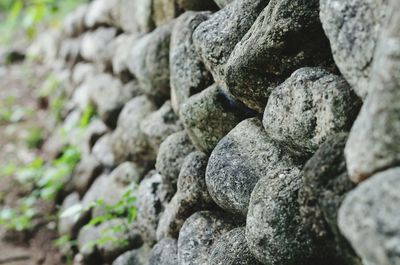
x=34 y=138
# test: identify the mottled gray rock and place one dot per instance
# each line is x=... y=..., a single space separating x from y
x=309 y=106
x=164 y=11
x=239 y=160
x=134 y=257
x=373 y=143
x=69 y=225
x=209 y=116
x=198 y=234
x=232 y=249
x=274 y=230
x=188 y=73
x=326 y=183
x=133 y=16
x=160 y=124
x=217 y=37
x=197 y=5
x=192 y=196
x=74 y=22
x=149 y=61
x=222 y=3
x=172 y=154
x=128 y=141
x=99 y=13
x=153 y=195
x=82 y=71
x=94 y=131
x=165 y=252
x=353 y=28
x=70 y=51
x=103 y=151
x=286 y=36
x=87 y=170
x=45 y=47
x=123 y=45
x=369 y=218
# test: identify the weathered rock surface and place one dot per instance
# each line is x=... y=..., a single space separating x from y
x=83 y=71
x=216 y=38
x=239 y=160
x=133 y=16
x=171 y=156
x=188 y=73
x=134 y=257
x=165 y=252
x=373 y=143
x=70 y=225
x=123 y=44
x=99 y=13
x=232 y=249
x=164 y=11
x=353 y=28
x=309 y=106
x=102 y=151
x=197 y=5
x=69 y=51
x=74 y=22
x=369 y=218
x=192 y=196
x=94 y=131
x=209 y=116
x=287 y=35
x=87 y=170
x=198 y=234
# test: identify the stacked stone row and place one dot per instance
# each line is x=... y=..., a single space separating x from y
x=233 y=117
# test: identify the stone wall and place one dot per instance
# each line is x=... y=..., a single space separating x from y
x=247 y=124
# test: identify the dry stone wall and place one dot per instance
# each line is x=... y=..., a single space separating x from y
x=240 y=122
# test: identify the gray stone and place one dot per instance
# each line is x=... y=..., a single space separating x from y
x=274 y=230
x=70 y=225
x=149 y=62
x=369 y=218
x=123 y=45
x=216 y=38
x=70 y=51
x=74 y=22
x=134 y=257
x=94 y=131
x=133 y=16
x=160 y=124
x=165 y=252
x=373 y=141
x=223 y=3
x=153 y=195
x=287 y=35
x=45 y=47
x=232 y=249
x=209 y=116
x=164 y=11
x=192 y=196
x=239 y=160
x=82 y=71
x=103 y=151
x=99 y=13
x=87 y=170
x=172 y=154
x=326 y=183
x=309 y=106
x=353 y=28
x=198 y=234
x=197 y=5
x=128 y=141
x=188 y=73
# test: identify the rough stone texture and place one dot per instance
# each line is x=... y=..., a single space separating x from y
x=197 y=5
x=274 y=230
x=209 y=116
x=216 y=38
x=309 y=106
x=123 y=45
x=171 y=156
x=160 y=124
x=373 y=143
x=103 y=152
x=222 y=3
x=369 y=218
x=70 y=225
x=286 y=36
x=134 y=16
x=134 y=257
x=94 y=131
x=87 y=170
x=353 y=28
x=128 y=141
x=99 y=13
x=198 y=234
x=232 y=249
x=165 y=252
x=153 y=195
x=326 y=183
x=188 y=73
x=239 y=160
x=192 y=196
x=164 y=11
x=149 y=61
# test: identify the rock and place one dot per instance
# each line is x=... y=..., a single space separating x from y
x=70 y=51
x=154 y=194
x=95 y=130
x=99 y=13
x=103 y=152
x=268 y=54
x=160 y=124
x=123 y=45
x=197 y=5
x=216 y=38
x=301 y=115
x=369 y=218
x=223 y=3
x=239 y=160
x=188 y=73
x=164 y=11
x=128 y=141
x=164 y=252
x=274 y=229
x=74 y=22
x=353 y=28
x=326 y=183
x=149 y=62
x=83 y=71
x=134 y=16
x=70 y=225
x=46 y=47
x=87 y=170
x=209 y=116
x=373 y=142
x=192 y=196
x=198 y=234
x=232 y=249
x=134 y=257
x=171 y=156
